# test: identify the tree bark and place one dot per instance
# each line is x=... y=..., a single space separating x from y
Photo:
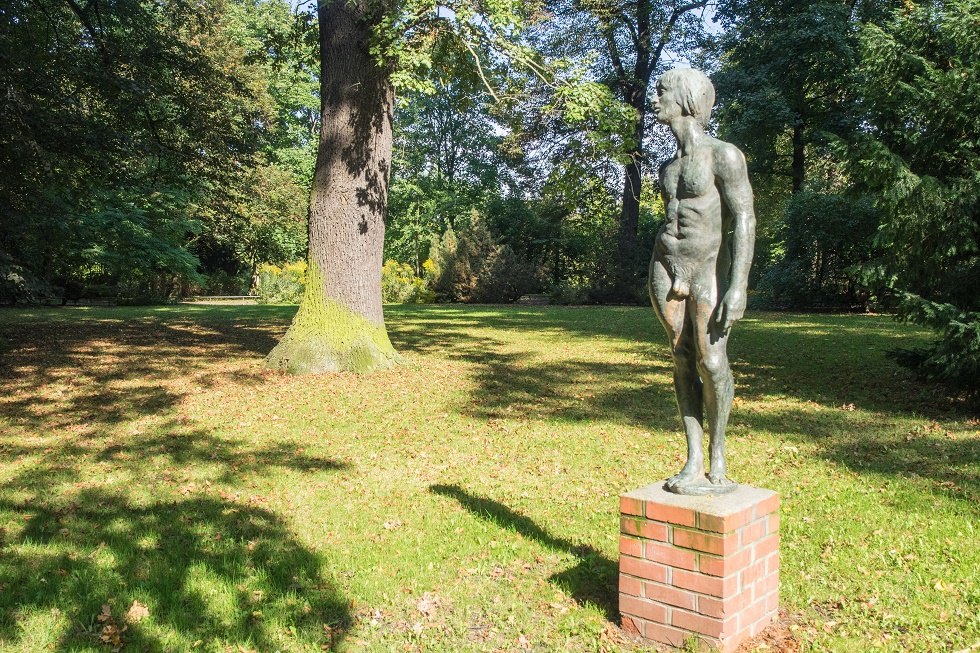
x=629 y=216
x=799 y=156
x=340 y=323
x=634 y=87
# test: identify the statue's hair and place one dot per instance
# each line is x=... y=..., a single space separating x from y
x=696 y=94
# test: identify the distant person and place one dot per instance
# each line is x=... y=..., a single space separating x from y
x=700 y=269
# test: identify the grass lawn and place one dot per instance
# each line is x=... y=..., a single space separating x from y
x=467 y=501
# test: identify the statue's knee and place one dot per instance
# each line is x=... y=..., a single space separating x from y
x=713 y=364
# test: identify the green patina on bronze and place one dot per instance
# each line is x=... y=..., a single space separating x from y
x=700 y=270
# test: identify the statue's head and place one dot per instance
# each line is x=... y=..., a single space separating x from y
x=691 y=90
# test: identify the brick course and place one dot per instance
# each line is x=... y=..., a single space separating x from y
x=699 y=566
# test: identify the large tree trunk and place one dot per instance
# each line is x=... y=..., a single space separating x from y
x=340 y=325
x=799 y=156
x=629 y=217
x=635 y=91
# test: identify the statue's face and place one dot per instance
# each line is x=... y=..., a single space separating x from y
x=666 y=104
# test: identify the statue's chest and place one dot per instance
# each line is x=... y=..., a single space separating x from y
x=688 y=176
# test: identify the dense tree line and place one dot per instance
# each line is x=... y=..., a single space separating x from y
x=152 y=149
x=143 y=144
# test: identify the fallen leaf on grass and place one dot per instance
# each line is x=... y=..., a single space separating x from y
x=970 y=649
x=137 y=613
x=112 y=634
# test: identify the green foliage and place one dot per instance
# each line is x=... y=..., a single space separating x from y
x=281 y=285
x=19 y=285
x=786 y=91
x=954 y=357
x=223 y=283
x=446 y=164
x=138 y=243
x=263 y=220
x=825 y=238
x=140 y=141
x=921 y=163
x=583 y=219
x=593 y=108
x=787 y=65
x=399 y=285
x=409 y=35
x=567 y=292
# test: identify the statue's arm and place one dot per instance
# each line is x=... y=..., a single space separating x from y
x=736 y=195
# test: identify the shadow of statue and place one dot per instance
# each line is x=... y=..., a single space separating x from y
x=592 y=581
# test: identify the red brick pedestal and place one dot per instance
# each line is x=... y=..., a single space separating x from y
x=706 y=567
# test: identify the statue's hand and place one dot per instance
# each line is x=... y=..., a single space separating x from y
x=732 y=308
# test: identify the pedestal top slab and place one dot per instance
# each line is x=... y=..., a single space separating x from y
x=744 y=498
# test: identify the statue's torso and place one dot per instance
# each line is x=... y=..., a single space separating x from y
x=693 y=230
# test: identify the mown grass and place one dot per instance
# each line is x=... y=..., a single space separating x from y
x=467 y=501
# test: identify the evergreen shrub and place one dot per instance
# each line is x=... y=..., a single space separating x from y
x=472 y=266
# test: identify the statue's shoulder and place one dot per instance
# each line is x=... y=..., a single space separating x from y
x=728 y=158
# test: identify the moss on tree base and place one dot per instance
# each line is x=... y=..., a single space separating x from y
x=328 y=337
x=317 y=355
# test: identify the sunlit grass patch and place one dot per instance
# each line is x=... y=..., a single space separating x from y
x=464 y=501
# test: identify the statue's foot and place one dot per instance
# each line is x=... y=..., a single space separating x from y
x=720 y=479
x=700 y=484
x=689 y=475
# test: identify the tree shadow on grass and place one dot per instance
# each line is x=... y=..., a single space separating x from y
x=102 y=370
x=512 y=384
x=206 y=569
x=209 y=563
x=593 y=580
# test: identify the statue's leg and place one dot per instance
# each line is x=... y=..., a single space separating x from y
x=719 y=386
x=676 y=317
x=688 y=389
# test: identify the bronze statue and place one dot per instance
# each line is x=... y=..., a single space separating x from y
x=699 y=270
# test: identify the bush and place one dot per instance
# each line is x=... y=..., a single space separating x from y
x=19 y=286
x=399 y=285
x=569 y=292
x=281 y=285
x=826 y=237
x=471 y=266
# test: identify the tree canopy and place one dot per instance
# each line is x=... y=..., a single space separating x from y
x=157 y=149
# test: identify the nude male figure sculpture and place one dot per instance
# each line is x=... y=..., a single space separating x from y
x=700 y=269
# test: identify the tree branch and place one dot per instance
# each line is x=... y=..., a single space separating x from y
x=665 y=34
x=617 y=61
x=82 y=15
